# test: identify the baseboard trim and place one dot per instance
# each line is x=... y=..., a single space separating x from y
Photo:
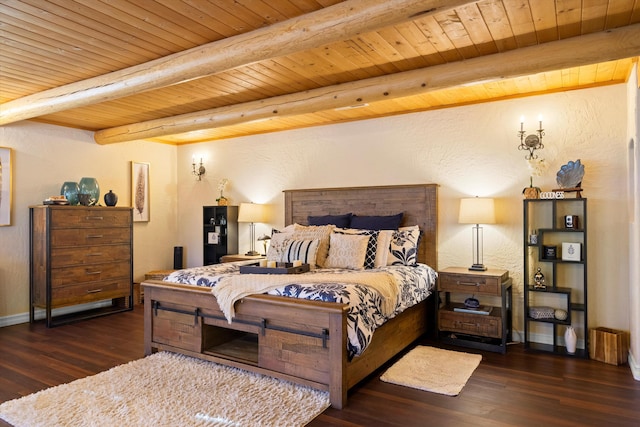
x=635 y=368
x=40 y=314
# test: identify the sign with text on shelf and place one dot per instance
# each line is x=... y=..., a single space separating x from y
x=552 y=195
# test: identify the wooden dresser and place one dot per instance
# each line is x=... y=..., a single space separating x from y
x=80 y=255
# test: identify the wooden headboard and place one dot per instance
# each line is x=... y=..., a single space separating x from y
x=418 y=202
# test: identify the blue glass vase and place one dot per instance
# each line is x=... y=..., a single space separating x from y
x=89 y=186
x=70 y=191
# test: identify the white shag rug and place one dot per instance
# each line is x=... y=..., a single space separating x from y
x=167 y=389
x=433 y=369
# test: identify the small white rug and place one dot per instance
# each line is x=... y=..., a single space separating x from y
x=433 y=369
x=167 y=389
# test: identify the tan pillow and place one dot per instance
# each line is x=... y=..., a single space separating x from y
x=313 y=232
x=347 y=251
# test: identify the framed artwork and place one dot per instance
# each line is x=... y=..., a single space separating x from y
x=5 y=186
x=140 y=191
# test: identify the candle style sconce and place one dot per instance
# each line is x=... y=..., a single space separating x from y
x=198 y=171
x=531 y=142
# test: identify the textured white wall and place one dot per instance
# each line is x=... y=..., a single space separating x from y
x=468 y=151
x=633 y=93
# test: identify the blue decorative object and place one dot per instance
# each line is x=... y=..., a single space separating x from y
x=89 y=186
x=70 y=191
x=110 y=198
x=570 y=175
x=471 y=303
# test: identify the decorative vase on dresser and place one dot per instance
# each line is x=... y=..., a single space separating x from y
x=80 y=255
x=70 y=191
x=89 y=186
x=110 y=198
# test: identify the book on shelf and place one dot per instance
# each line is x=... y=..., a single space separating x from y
x=485 y=310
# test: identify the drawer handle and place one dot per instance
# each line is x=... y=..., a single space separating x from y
x=99 y=218
x=95 y=236
x=93 y=272
x=96 y=254
x=94 y=291
x=475 y=325
x=469 y=283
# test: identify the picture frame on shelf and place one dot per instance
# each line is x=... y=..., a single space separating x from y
x=6 y=165
x=571 y=251
x=140 y=191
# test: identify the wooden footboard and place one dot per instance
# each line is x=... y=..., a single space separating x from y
x=297 y=340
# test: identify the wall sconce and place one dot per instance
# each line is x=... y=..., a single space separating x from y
x=477 y=211
x=197 y=171
x=532 y=142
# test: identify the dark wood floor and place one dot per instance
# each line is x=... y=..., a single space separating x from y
x=518 y=389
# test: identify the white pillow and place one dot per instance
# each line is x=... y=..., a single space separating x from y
x=347 y=251
x=277 y=245
x=382 y=250
x=403 y=249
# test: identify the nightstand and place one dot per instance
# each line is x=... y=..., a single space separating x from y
x=488 y=328
x=240 y=257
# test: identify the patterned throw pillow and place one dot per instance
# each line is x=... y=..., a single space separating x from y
x=347 y=251
x=313 y=232
x=303 y=250
x=277 y=245
x=403 y=249
x=372 y=245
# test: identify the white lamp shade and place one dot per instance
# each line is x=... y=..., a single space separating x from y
x=476 y=210
x=252 y=212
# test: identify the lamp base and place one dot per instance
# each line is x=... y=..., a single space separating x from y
x=252 y=253
x=478 y=267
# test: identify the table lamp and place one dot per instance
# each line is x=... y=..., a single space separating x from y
x=476 y=210
x=252 y=213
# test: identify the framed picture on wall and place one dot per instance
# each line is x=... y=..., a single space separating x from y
x=140 y=192
x=5 y=186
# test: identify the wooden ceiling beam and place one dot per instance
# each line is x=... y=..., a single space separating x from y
x=583 y=50
x=328 y=25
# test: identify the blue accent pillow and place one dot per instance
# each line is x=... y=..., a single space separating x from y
x=390 y=222
x=340 y=221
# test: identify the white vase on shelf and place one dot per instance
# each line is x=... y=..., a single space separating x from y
x=570 y=339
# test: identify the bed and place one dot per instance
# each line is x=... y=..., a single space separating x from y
x=300 y=340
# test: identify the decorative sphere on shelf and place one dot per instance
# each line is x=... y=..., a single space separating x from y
x=560 y=314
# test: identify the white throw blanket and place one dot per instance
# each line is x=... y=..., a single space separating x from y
x=232 y=288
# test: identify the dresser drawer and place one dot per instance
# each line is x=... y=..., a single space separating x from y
x=89 y=292
x=471 y=324
x=85 y=236
x=468 y=283
x=68 y=256
x=66 y=276
x=89 y=218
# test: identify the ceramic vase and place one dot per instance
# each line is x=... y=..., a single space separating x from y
x=89 y=186
x=110 y=198
x=570 y=339
x=70 y=191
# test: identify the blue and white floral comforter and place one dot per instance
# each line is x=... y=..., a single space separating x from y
x=364 y=316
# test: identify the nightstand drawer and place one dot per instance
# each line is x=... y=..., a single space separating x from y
x=469 y=283
x=471 y=324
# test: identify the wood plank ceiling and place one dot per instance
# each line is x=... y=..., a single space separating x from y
x=285 y=64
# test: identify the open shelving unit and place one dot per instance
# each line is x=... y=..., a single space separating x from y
x=220 y=233
x=565 y=279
